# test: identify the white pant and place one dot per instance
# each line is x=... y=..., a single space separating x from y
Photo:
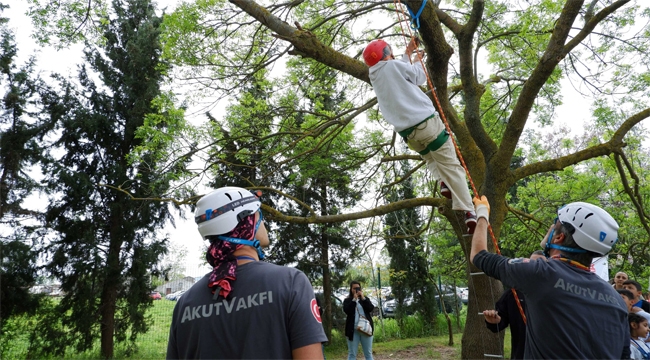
x=442 y=163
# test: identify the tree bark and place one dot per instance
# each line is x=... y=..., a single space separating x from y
x=109 y=295
x=483 y=293
x=325 y=266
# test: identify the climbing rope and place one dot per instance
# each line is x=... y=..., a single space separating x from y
x=415 y=25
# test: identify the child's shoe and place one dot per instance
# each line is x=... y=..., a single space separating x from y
x=444 y=190
x=470 y=221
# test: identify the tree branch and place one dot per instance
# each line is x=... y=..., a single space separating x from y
x=591 y=24
x=471 y=87
x=306 y=43
x=634 y=195
x=545 y=66
x=614 y=144
x=275 y=215
x=190 y=200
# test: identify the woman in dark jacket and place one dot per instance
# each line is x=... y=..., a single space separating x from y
x=353 y=306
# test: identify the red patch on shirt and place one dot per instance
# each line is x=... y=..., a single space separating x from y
x=315 y=311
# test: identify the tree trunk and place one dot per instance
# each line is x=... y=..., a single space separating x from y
x=443 y=308
x=108 y=300
x=484 y=291
x=325 y=265
x=111 y=285
x=327 y=292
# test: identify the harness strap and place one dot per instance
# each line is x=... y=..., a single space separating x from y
x=406 y=132
x=432 y=146
x=644 y=353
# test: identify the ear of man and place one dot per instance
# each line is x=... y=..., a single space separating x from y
x=558 y=238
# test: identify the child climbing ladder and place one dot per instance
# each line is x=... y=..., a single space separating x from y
x=413 y=116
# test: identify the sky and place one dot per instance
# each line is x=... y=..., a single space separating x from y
x=185 y=234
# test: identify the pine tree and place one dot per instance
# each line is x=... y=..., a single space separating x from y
x=19 y=149
x=105 y=245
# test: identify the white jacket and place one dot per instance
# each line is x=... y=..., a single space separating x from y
x=402 y=103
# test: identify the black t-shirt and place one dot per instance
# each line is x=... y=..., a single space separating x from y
x=510 y=315
x=571 y=313
x=270 y=312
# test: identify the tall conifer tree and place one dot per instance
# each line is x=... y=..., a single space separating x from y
x=19 y=148
x=105 y=245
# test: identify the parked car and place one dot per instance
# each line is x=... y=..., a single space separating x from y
x=390 y=307
x=155 y=295
x=175 y=296
x=463 y=294
x=450 y=298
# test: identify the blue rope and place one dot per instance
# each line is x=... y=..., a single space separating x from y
x=415 y=19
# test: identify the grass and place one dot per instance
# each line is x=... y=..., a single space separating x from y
x=414 y=339
x=431 y=347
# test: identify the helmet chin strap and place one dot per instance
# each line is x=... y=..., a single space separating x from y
x=254 y=243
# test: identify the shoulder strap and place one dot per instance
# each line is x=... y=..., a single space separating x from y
x=645 y=354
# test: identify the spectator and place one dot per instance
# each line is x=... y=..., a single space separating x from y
x=506 y=312
x=354 y=305
x=619 y=278
x=629 y=299
x=258 y=310
x=638 y=332
x=571 y=312
x=410 y=111
x=635 y=288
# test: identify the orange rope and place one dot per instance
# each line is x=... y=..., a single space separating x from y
x=458 y=153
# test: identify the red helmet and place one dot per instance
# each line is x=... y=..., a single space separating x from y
x=375 y=51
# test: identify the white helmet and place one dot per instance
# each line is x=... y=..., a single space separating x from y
x=220 y=211
x=595 y=229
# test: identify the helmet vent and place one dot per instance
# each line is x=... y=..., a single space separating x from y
x=228 y=195
x=588 y=215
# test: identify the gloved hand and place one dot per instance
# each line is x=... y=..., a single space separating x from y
x=482 y=207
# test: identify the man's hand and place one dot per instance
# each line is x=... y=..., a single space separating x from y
x=545 y=239
x=479 y=240
x=492 y=316
x=412 y=46
x=482 y=207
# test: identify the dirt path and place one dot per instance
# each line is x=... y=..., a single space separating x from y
x=418 y=352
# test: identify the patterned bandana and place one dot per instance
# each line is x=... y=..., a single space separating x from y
x=220 y=256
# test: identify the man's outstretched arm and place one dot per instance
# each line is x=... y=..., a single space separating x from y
x=479 y=240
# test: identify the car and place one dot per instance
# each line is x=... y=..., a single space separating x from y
x=375 y=303
x=390 y=307
x=450 y=298
x=175 y=296
x=155 y=295
x=463 y=294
